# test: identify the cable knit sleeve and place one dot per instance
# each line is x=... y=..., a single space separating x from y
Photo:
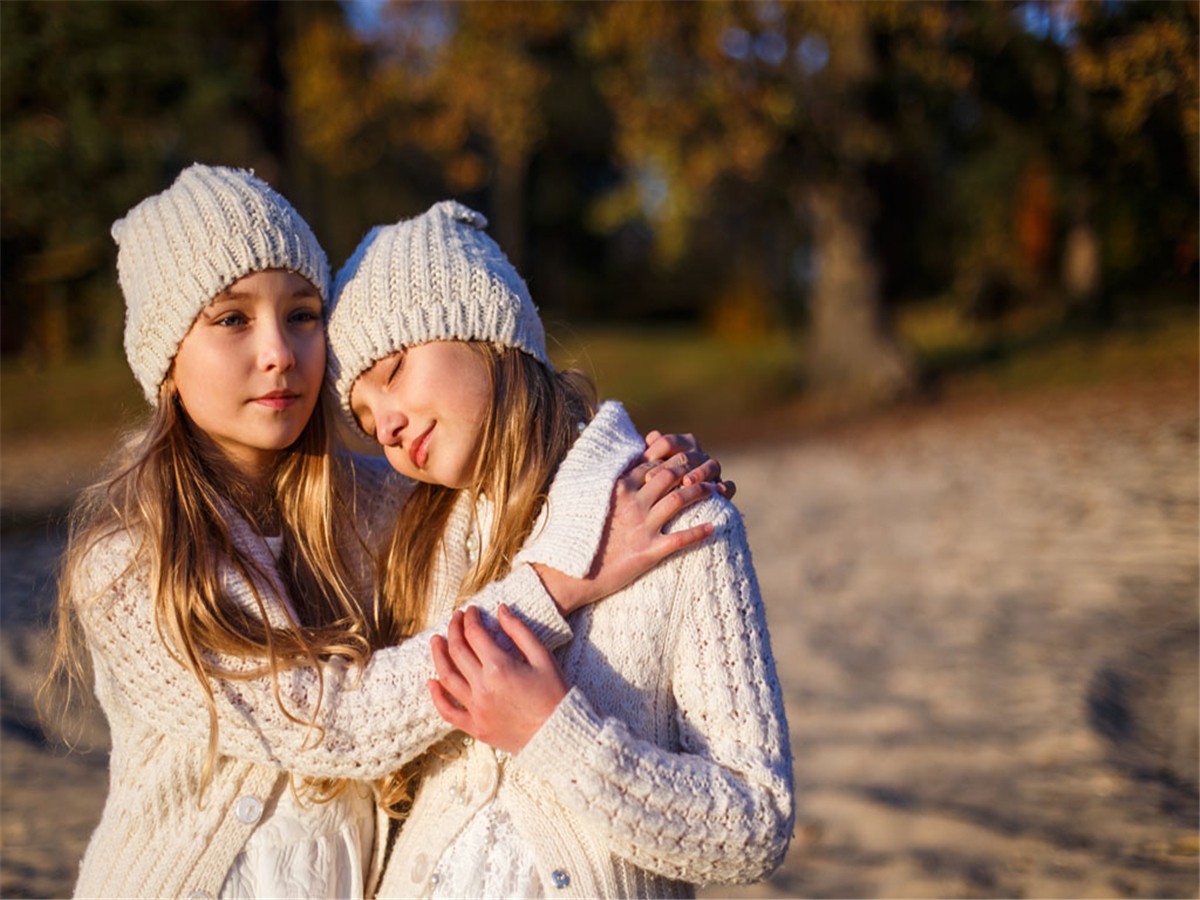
x=370 y=721
x=719 y=806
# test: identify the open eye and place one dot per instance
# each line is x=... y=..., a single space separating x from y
x=231 y=319
x=305 y=314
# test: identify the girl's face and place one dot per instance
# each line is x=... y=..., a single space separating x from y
x=249 y=371
x=427 y=405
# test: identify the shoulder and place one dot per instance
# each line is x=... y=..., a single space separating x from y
x=604 y=447
x=725 y=517
x=727 y=546
x=102 y=563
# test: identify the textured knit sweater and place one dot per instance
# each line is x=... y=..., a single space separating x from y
x=157 y=836
x=668 y=763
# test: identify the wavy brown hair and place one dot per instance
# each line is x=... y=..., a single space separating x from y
x=173 y=493
x=535 y=416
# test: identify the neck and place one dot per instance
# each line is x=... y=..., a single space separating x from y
x=247 y=484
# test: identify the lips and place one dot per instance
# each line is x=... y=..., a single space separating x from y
x=418 y=450
x=278 y=400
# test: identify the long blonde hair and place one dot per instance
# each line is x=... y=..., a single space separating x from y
x=172 y=494
x=535 y=416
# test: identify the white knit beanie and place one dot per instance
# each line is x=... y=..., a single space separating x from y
x=434 y=277
x=177 y=250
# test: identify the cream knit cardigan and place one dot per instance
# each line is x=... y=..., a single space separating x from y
x=668 y=764
x=157 y=837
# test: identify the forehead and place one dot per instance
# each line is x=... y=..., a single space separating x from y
x=268 y=283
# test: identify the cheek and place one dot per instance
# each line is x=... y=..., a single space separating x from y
x=316 y=349
x=481 y=401
x=312 y=354
x=398 y=460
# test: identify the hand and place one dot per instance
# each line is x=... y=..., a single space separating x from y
x=684 y=450
x=496 y=696
x=645 y=498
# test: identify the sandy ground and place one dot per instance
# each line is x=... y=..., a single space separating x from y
x=985 y=621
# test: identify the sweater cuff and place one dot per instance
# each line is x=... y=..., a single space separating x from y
x=571 y=728
x=527 y=597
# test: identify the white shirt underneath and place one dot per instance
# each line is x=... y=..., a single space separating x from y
x=304 y=848
x=488 y=859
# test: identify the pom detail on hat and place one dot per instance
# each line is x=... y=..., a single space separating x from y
x=463 y=213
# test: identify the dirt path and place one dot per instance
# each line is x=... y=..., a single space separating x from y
x=985 y=623
x=954 y=598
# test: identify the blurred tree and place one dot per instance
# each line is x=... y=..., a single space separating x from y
x=464 y=83
x=1075 y=150
x=101 y=104
x=1136 y=66
x=770 y=126
x=763 y=164
x=487 y=102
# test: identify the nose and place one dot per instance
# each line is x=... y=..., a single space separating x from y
x=275 y=351
x=389 y=423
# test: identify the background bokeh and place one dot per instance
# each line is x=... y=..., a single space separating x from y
x=924 y=273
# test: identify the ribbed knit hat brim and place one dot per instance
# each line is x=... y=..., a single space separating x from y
x=178 y=249
x=437 y=276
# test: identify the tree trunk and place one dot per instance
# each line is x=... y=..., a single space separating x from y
x=852 y=354
x=1081 y=265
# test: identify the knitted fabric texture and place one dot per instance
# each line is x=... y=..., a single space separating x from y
x=668 y=764
x=431 y=278
x=177 y=250
x=370 y=723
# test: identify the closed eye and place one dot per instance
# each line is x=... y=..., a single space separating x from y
x=365 y=422
x=396 y=368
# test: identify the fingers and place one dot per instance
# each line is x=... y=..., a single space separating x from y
x=447 y=672
x=460 y=650
x=490 y=655
x=666 y=544
x=659 y=481
x=665 y=445
x=640 y=473
x=659 y=446
x=705 y=470
x=524 y=639
x=727 y=489
x=446 y=707
x=672 y=502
